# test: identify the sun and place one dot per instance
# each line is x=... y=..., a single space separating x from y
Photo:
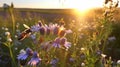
x=83 y=5
x=82 y=9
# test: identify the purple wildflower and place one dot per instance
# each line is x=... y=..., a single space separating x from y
x=71 y=59
x=42 y=30
x=63 y=40
x=99 y=52
x=48 y=30
x=82 y=56
x=56 y=43
x=67 y=45
x=51 y=26
x=33 y=36
x=56 y=30
x=54 y=62
x=68 y=31
x=24 y=54
x=35 y=59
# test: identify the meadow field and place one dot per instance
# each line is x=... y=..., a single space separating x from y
x=59 y=38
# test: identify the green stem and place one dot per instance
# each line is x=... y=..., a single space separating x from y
x=13 y=20
x=12 y=57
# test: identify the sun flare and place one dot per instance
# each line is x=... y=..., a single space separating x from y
x=81 y=9
x=83 y=5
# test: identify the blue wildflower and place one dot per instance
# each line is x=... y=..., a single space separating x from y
x=24 y=54
x=35 y=60
x=35 y=28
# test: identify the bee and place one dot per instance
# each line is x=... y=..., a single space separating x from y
x=25 y=33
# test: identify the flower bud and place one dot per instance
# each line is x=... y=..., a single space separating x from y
x=48 y=31
x=56 y=30
x=62 y=33
x=42 y=30
x=40 y=23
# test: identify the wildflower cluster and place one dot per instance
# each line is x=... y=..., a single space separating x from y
x=25 y=54
x=58 y=41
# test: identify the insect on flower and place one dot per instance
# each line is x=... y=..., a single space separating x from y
x=25 y=33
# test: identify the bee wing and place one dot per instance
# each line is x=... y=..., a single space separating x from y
x=26 y=26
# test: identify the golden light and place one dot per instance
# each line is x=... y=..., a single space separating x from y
x=62 y=28
x=82 y=8
x=84 y=5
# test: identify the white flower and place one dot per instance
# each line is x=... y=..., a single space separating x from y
x=9 y=40
x=118 y=62
x=7 y=33
x=103 y=55
x=3 y=28
x=22 y=51
x=16 y=36
x=16 y=48
x=82 y=64
x=6 y=29
x=82 y=49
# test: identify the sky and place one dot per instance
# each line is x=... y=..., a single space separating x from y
x=54 y=3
